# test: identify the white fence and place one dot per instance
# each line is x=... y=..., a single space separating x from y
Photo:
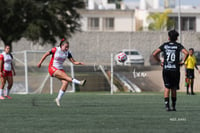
x=32 y=80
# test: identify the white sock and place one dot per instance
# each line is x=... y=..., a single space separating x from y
x=76 y=81
x=7 y=91
x=1 y=92
x=60 y=94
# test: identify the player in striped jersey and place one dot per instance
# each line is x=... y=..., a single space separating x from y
x=6 y=72
x=59 y=55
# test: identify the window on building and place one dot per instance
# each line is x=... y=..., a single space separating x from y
x=93 y=23
x=108 y=23
x=192 y=24
x=187 y=23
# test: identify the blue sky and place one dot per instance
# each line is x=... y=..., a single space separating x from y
x=183 y=2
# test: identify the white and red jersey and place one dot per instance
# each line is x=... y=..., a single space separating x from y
x=7 y=61
x=58 y=57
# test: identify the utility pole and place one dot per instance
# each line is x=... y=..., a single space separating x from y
x=179 y=20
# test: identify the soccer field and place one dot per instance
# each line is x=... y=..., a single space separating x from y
x=99 y=113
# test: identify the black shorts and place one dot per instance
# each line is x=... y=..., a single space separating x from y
x=171 y=79
x=190 y=73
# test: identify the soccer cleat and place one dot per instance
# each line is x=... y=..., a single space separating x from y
x=57 y=102
x=82 y=82
x=8 y=97
x=2 y=98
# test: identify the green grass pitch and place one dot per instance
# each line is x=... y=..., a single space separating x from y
x=99 y=113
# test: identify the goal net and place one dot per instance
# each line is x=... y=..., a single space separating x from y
x=31 y=79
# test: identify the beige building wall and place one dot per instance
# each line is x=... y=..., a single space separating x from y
x=124 y=20
x=124 y=24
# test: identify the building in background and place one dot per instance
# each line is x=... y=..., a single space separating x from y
x=190 y=19
x=108 y=20
x=107 y=15
x=120 y=16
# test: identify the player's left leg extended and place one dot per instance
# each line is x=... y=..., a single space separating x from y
x=63 y=76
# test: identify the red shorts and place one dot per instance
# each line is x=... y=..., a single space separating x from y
x=52 y=70
x=7 y=74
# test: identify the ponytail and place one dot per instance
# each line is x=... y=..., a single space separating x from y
x=63 y=41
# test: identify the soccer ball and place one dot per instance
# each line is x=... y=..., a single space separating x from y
x=121 y=57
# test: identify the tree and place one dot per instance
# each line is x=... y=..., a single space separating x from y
x=44 y=20
x=160 y=21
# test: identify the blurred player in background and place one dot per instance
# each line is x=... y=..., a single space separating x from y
x=171 y=67
x=190 y=64
x=59 y=55
x=6 y=72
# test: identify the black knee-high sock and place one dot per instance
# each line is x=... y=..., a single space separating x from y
x=192 y=88
x=174 y=102
x=187 y=88
x=167 y=102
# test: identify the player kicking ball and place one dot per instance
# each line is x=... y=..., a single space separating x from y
x=171 y=67
x=59 y=55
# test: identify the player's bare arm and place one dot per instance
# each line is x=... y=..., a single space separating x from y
x=155 y=55
x=43 y=58
x=76 y=62
x=185 y=69
x=185 y=52
x=1 y=64
x=197 y=68
x=13 y=69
